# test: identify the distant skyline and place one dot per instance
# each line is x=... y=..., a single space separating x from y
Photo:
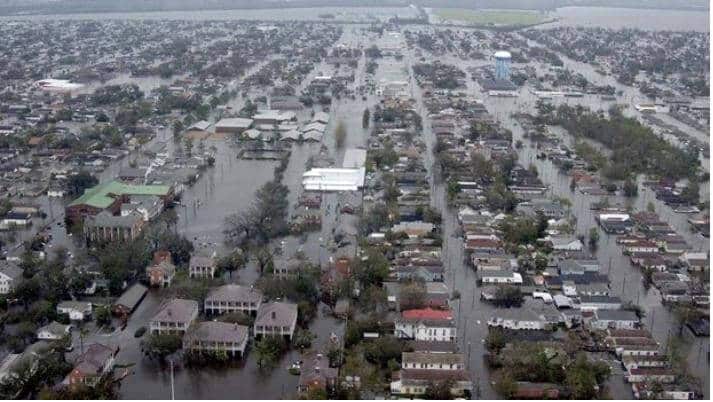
x=10 y=7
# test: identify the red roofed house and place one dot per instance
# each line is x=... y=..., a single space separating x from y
x=91 y=366
x=426 y=324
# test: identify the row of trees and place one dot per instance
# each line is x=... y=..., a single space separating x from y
x=635 y=147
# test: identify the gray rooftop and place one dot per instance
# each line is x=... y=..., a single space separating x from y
x=177 y=310
x=10 y=269
x=213 y=331
x=276 y=314
x=233 y=292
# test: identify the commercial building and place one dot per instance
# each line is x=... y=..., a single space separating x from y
x=233 y=125
x=109 y=196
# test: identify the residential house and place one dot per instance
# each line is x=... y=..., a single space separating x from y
x=287 y=269
x=415 y=382
x=695 y=261
x=564 y=243
x=617 y=319
x=96 y=362
x=518 y=319
x=201 y=267
x=599 y=302
x=175 y=316
x=644 y=361
x=10 y=276
x=315 y=373
x=161 y=274
x=231 y=298
x=76 y=310
x=432 y=361
x=650 y=374
x=53 y=331
x=276 y=318
x=499 y=277
x=640 y=246
x=426 y=324
x=214 y=336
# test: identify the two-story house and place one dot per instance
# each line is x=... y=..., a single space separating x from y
x=175 y=316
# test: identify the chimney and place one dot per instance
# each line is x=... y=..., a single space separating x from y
x=168 y=312
x=274 y=315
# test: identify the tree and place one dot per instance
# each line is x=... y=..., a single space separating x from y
x=80 y=181
x=495 y=340
x=453 y=189
x=232 y=262
x=583 y=377
x=302 y=339
x=505 y=385
x=691 y=192
x=383 y=349
x=508 y=296
x=630 y=188
x=188 y=144
x=268 y=350
x=439 y=390
x=340 y=135
x=412 y=296
x=593 y=237
x=27 y=291
x=160 y=346
x=178 y=127
x=102 y=315
x=650 y=207
x=685 y=314
x=365 y=118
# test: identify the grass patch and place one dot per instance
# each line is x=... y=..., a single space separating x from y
x=490 y=17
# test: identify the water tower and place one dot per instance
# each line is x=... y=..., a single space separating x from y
x=502 y=65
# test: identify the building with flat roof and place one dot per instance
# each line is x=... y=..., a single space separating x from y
x=233 y=125
x=109 y=196
x=333 y=179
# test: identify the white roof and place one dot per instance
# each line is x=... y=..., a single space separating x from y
x=502 y=54
x=276 y=115
x=321 y=117
x=354 y=158
x=234 y=122
x=333 y=179
x=200 y=125
x=614 y=217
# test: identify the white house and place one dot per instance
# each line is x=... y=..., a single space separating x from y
x=53 y=331
x=500 y=276
x=590 y=303
x=426 y=325
x=10 y=275
x=76 y=310
x=617 y=319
